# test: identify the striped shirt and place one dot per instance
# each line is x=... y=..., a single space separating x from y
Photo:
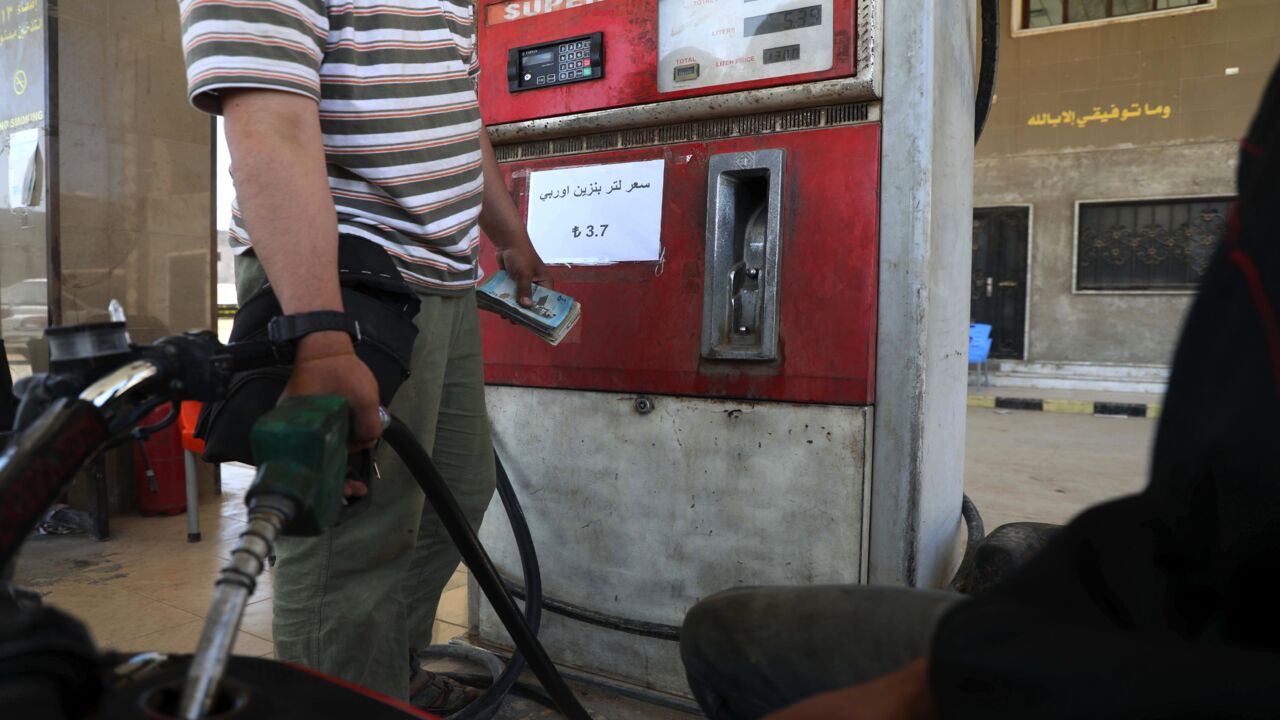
x=395 y=80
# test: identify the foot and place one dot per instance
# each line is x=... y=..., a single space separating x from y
x=438 y=694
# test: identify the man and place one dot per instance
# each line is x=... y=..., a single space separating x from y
x=8 y=404
x=360 y=118
x=1152 y=606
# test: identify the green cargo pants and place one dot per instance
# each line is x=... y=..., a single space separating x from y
x=356 y=601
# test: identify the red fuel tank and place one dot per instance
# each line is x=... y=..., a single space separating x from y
x=161 y=475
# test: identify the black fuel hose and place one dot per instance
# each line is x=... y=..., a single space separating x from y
x=976 y=532
x=498 y=686
x=987 y=69
x=631 y=626
x=424 y=471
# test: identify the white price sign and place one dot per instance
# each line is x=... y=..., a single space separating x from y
x=597 y=214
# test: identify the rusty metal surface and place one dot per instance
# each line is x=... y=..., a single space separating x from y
x=639 y=515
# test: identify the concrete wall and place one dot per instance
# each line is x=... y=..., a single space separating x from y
x=136 y=169
x=135 y=182
x=1040 y=150
x=1177 y=61
x=1098 y=327
x=23 y=216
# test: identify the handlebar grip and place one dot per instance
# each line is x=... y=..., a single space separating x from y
x=40 y=462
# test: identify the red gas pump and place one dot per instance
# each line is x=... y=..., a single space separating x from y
x=159 y=468
x=759 y=205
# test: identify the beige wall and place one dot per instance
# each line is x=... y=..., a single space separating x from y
x=1177 y=62
x=136 y=169
x=136 y=174
x=24 y=214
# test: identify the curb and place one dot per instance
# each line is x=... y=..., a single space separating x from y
x=1076 y=407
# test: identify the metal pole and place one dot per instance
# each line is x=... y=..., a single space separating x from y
x=193 y=498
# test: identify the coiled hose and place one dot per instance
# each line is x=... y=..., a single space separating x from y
x=401 y=439
x=501 y=681
x=505 y=679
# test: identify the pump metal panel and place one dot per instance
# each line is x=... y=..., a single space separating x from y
x=642 y=323
x=641 y=514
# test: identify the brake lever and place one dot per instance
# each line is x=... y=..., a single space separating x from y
x=362 y=467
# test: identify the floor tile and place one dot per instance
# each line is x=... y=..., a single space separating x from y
x=183 y=639
x=459 y=579
x=443 y=632
x=453 y=606
x=113 y=615
x=186 y=583
x=257 y=619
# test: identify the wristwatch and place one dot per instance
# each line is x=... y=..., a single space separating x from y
x=291 y=328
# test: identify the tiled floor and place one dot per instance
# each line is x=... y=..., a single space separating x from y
x=147 y=588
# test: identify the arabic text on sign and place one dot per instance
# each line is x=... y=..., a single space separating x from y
x=1071 y=118
x=597 y=214
x=17 y=31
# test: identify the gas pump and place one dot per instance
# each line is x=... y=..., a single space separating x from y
x=762 y=206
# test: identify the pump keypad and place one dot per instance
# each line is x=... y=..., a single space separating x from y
x=556 y=63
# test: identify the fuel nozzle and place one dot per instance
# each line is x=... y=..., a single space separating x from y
x=301 y=449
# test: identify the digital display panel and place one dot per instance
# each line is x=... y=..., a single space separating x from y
x=540 y=58
x=781 y=54
x=710 y=43
x=782 y=20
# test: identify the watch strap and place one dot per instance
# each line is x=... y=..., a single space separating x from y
x=291 y=328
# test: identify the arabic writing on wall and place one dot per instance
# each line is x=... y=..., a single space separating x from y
x=1071 y=118
x=591 y=189
x=20 y=20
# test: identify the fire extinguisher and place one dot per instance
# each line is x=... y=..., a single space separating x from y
x=159 y=468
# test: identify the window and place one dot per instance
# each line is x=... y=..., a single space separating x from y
x=1055 y=13
x=1148 y=245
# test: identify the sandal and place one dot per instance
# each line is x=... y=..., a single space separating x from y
x=437 y=694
